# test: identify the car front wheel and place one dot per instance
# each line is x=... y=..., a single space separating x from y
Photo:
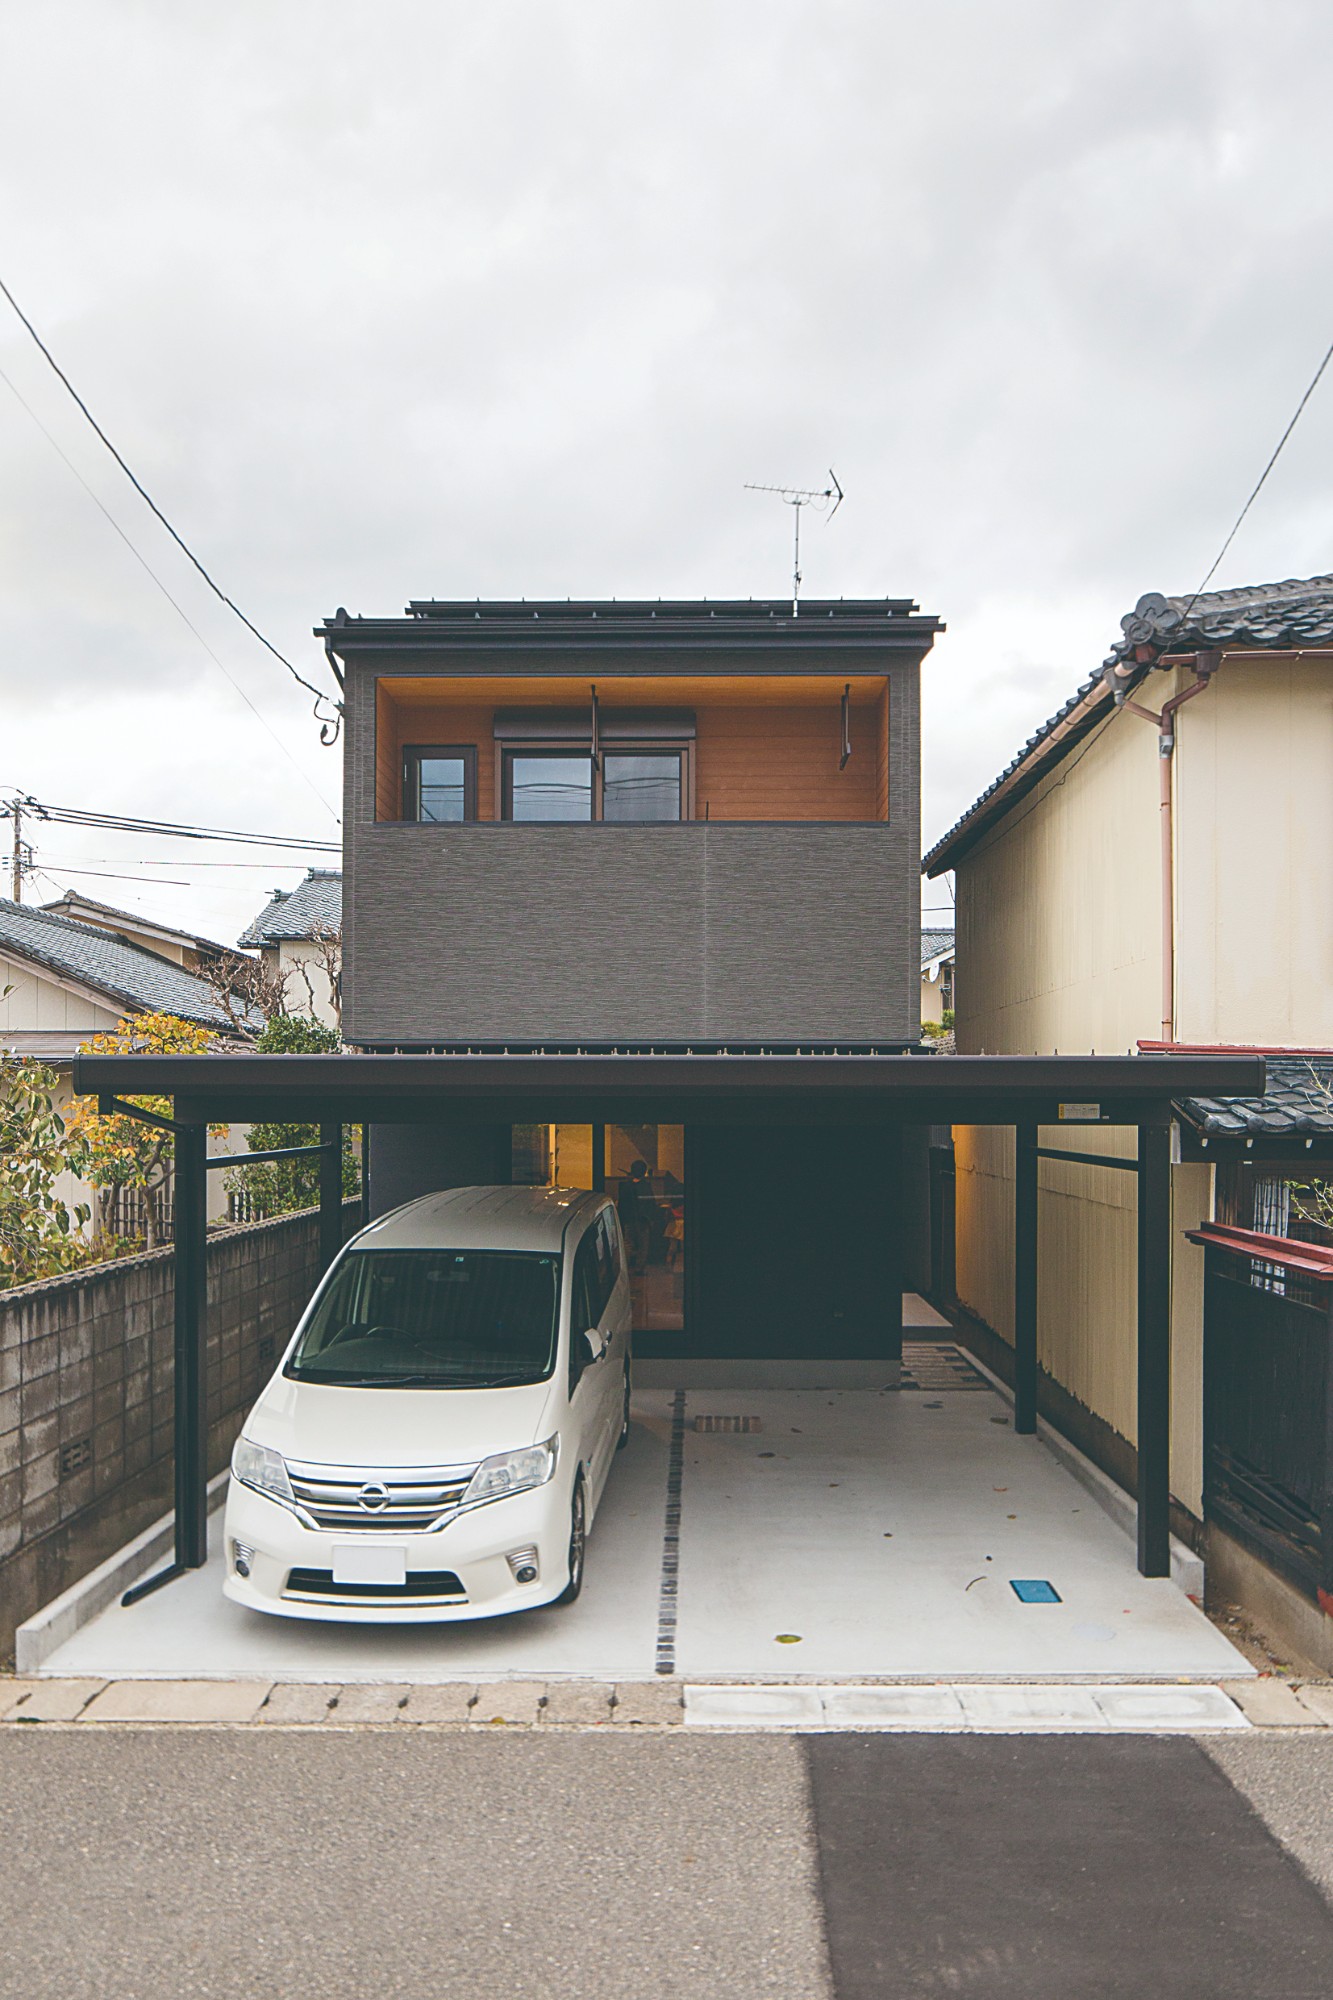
x=578 y=1538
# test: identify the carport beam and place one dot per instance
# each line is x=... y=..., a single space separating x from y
x=1154 y=1350
x=1025 y=1277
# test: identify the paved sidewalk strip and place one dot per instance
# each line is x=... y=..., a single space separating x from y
x=964 y=1707
x=177 y=1701
x=923 y=1707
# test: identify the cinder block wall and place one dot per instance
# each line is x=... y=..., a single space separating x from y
x=86 y=1395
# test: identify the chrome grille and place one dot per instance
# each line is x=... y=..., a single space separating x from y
x=409 y=1499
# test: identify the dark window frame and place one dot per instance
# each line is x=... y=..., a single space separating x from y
x=413 y=754
x=681 y=751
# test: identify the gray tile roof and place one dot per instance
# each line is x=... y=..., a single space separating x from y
x=128 y=975
x=1264 y=616
x=73 y=901
x=1298 y=1101
x=315 y=903
x=934 y=944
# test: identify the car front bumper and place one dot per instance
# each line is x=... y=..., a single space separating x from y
x=474 y=1546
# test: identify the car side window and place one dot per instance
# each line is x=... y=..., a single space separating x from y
x=608 y=1255
x=582 y=1308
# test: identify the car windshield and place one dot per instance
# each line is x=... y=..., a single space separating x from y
x=433 y=1319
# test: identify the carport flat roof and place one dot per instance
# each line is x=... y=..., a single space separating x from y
x=712 y=1088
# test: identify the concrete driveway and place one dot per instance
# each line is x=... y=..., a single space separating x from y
x=837 y=1535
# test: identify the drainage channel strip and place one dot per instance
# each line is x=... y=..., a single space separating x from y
x=966 y=1707
x=669 y=1589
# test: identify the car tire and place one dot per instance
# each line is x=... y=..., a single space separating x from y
x=623 y=1439
x=578 y=1543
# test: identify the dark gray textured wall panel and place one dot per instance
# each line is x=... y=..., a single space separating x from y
x=621 y=933
x=806 y=933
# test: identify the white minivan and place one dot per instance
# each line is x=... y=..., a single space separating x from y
x=437 y=1437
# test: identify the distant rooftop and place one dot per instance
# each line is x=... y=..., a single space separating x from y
x=935 y=944
x=126 y=974
x=105 y=916
x=315 y=906
x=1262 y=617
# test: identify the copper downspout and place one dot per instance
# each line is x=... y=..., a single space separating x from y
x=1205 y=666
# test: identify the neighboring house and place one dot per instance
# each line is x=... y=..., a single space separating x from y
x=298 y=936
x=1155 y=870
x=622 y=829
x=183 y=948
x=63 y=982
x=936 y=976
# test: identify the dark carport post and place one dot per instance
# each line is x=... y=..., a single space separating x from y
x=1154 y=1349
x=330 y=1194
x=1025 y=1276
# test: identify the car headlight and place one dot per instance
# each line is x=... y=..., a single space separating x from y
x=512 y=1472
x=255 y=1465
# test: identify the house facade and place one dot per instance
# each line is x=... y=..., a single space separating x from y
x=625 y=829
x=298 y=936
x=62 y=982
x=1151 y=872
x=937 y=965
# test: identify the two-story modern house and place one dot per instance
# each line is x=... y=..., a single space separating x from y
x=620 y=828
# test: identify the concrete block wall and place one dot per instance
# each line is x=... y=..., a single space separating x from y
x=86 y=1395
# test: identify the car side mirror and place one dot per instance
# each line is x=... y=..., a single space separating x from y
x=597 y=1342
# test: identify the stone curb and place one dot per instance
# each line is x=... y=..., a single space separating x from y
x=358 y=1704
x=1265 y=1703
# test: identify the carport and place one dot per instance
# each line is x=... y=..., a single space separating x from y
x=884 y=1092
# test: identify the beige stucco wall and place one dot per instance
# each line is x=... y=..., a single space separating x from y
x=34 y=1002
x=1059 y=924
x=1058 y=917
x=932 y=998
x=307 y=980
x=1254 y=855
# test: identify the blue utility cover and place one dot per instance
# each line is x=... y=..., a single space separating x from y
x=1034 y=1590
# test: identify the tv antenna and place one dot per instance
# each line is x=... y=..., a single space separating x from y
x=797 y=497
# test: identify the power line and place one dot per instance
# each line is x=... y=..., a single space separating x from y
x=122 y=823
x=177 y=608
x=1277 y=453
x=181 y=544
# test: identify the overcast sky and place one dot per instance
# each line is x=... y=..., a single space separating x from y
x=420 y=298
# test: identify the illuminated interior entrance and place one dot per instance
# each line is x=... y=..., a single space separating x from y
x=643 y=1168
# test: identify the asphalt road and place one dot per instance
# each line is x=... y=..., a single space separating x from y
x=138 y=1863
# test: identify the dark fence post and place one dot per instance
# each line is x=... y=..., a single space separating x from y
x=1025 y=1276
x=330 y=1194
x=1154 y=1350
x=190 y=1229
x=1324 y=1591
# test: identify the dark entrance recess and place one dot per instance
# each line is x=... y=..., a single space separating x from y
x=794 y=1244
x=866 y=1099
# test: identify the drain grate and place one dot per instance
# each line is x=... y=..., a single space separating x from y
x=75 y=1457
x=936 y=1364
x=733 y=1424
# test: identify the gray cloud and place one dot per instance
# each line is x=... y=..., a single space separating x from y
x=431 y=298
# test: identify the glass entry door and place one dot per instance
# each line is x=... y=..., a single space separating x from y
x=645 y=1173
x=642 y=1168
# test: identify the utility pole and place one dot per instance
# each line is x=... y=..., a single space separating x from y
x=21 y=853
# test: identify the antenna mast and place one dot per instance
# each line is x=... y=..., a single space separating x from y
x=797 y=497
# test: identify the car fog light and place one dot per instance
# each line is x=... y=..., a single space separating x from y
x=241 y=1557
x=523 y=1563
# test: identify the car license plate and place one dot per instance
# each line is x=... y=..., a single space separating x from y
x=369 y=1563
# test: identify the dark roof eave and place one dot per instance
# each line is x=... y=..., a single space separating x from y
x=841 y=626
